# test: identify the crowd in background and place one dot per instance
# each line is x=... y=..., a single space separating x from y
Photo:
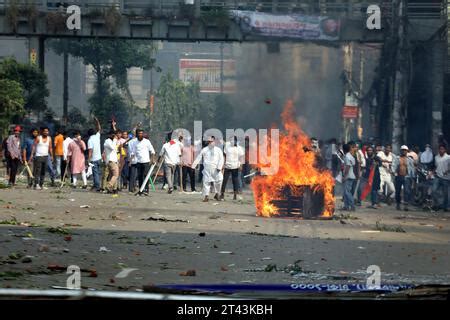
x=414 y=177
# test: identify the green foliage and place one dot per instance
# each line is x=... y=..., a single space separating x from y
x=75 y=119
x=11 y=103
x=110 y=59
x=216 y=16
x=112 y=20
x=177 y=105
x=33 y=81
x=110 y=105
x=12 y=15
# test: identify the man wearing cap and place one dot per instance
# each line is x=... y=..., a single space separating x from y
x=213 y=161
x=15 y=158
x=404 y=171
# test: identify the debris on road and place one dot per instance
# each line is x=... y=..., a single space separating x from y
x=10 y=275
x=202 y=234
x=189 y=273
x=165 y=220
x=85 y=206
x=342 y=216
x=383 y=227
x=270 y=235
x=58 y=230
x=226 y=252
x=124 y=273
x=104 y=249
x=12 y=222
x=26 y=259
x=15 y=255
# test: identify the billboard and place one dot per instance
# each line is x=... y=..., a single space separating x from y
x=207 y=73
x=295 y=26
x=349 y=112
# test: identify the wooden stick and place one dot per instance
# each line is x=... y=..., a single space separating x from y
x=65 y=174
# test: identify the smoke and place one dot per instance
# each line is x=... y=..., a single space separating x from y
x=306 y=73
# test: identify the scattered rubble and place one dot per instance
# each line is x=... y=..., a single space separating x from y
x=383 y=227
x=165 y=220
x=270 y=235
x=189 y=273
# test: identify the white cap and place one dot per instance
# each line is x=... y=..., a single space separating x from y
x=403 y=147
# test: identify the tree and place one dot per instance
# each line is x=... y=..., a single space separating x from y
x=11 y=103
x=110 y=58
x=33 y=81
x=76 y=120
x=177 y=105
x=110 y=105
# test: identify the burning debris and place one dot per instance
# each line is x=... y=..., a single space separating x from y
x=299 y=189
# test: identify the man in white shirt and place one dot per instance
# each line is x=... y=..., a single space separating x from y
x=132 y=162
x=111 y=160
x=171 y=152
x=349 y=176
x=177 y=175
x=233 y=159
x=95 y=153
x=144 y=153
x=387 y=182
x=213 y=161
x=441 y=181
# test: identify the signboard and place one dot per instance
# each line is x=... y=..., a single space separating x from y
x=349 y=112
x=296 y=26
x=207 y=73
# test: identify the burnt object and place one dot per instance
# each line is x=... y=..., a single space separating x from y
x=307 y=202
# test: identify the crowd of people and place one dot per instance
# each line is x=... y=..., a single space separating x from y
x=372 y=170
x=125 y=161
x=125 y=158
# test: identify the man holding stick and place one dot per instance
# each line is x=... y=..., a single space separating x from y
x=144 y=153
x=27 y=155
x=172 y=153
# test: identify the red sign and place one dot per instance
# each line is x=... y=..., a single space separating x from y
x=350 y=112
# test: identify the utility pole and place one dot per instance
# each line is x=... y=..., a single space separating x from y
x=399 y=18
x=65 y=86
x=221 y=68
x=360 y=94
x=348 y=70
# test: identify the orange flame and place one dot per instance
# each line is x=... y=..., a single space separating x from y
x=296 y=168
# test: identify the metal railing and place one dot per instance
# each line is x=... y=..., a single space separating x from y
x=423 y=10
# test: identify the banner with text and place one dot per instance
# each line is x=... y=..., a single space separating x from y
x=296 y=26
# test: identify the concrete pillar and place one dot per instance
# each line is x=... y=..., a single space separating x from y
x=437 y=62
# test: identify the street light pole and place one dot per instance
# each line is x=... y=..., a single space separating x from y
x=221 y=68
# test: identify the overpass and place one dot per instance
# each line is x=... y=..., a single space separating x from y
x=205 y=20
x=212 y=20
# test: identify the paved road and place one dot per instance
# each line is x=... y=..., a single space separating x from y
x=238 y=247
